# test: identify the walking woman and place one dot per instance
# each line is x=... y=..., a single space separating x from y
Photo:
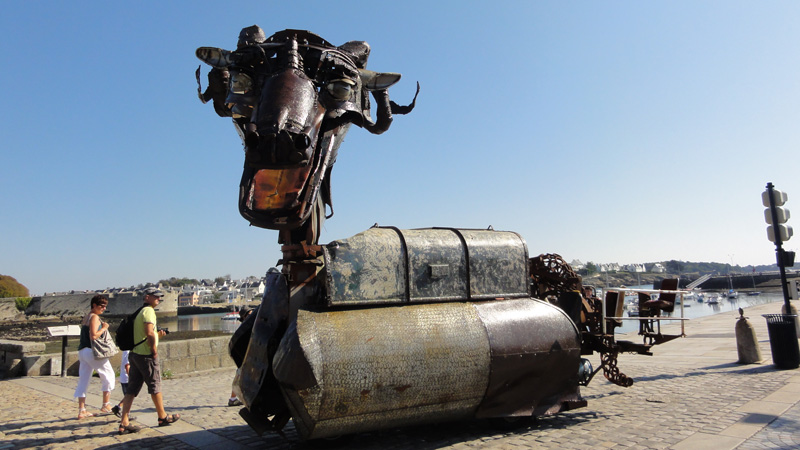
x=91 y=328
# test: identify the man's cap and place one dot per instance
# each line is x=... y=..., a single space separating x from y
x=153 y=291
x=243 y=313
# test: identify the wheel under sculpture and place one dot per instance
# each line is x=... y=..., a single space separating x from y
x=389 y=327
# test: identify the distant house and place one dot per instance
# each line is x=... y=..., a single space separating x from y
x=252 y=289
x=635 y=268
x=609 y=267
x=188 y=298
x=577 y=265
x=658 y=268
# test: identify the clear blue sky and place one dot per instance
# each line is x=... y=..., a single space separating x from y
x=602 y=131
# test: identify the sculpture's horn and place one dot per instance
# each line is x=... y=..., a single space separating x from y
x=214 y=57
x=377 y=81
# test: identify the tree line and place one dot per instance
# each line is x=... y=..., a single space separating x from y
x=10 y=287
x=701 y=268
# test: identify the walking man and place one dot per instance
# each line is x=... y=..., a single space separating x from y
x=145 y=368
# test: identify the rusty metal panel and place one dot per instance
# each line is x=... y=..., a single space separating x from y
x=366 y=268
x=358 y=370
x=535 y=356
x=388 y=265
x=437 y=265
x=498 y=264
x=256 y=381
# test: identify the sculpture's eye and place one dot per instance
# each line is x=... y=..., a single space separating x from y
x=341 y=89
x=241 y=83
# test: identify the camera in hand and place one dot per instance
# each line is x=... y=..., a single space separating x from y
x=165 y=330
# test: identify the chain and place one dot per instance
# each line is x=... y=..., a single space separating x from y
x=610 y=370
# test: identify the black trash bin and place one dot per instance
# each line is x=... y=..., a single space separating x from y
x=783 y=340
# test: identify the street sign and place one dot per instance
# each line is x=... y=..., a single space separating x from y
x=776 y=216
x=65 y=330
x=778 y=198
x=778 y=232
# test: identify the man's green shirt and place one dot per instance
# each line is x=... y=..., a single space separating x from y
x=146 y=315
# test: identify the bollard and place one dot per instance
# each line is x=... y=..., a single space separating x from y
x=792 y=311
x=746 y=341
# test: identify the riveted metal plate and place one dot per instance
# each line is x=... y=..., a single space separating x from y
x=388 y=265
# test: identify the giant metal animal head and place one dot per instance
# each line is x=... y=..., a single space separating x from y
x=293 y=97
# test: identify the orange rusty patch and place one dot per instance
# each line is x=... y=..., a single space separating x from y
x=277 y=189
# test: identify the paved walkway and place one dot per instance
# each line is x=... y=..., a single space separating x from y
x=690 y=395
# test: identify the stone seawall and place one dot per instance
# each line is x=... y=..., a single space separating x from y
x=748 y=281
x=8 y=310
x=119 y=304
x=20 y=358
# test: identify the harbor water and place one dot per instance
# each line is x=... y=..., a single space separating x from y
x=199 y=322
x=693 y=308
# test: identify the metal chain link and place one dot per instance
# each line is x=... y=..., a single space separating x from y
x=610 y=370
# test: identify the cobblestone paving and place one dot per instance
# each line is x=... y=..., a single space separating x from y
x=32 y=419
x=664 y=406
x=691 y=390
x=783 y=433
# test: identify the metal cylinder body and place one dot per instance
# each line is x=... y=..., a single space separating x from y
x=357 y=370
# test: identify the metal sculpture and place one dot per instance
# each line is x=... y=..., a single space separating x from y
x=399 y=327
x=554 y=280
x=293 y=97
x=389 y=327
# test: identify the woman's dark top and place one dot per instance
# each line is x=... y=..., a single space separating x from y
x=86 y=341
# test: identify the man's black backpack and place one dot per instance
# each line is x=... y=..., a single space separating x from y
x=124 y=334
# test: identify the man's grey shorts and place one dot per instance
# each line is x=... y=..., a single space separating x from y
x=144 y=370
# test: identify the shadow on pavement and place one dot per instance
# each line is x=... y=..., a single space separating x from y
x=423 y=437
x=71 y=432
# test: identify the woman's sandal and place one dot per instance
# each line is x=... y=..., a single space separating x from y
x=82 y=414
x=106 y=409
x=169 y=420
x=125 y=429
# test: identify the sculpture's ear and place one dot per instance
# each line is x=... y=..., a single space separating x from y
x=214 y=57
x=377 y=81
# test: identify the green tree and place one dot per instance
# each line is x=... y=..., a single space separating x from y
x=674 y=266
x=10 y=287
x=178 y=282
x=591 y=268
x=22 y=303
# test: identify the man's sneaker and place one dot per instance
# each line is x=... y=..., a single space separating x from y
x=234 y=402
